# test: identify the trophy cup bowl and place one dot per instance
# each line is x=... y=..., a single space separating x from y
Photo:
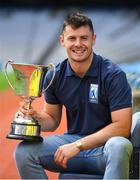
x=28 y=83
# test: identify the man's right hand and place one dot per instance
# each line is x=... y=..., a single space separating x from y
x=24 y=108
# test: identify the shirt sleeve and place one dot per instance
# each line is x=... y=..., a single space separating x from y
x=119 y=91
x=50 y=93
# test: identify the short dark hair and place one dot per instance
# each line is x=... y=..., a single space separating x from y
x=76 y=20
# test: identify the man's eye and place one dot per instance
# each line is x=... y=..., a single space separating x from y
x=84 y=37
x=71 y=38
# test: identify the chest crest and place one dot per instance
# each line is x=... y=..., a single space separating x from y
x=93 y=93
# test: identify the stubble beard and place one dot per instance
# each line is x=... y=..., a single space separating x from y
x=81 y=61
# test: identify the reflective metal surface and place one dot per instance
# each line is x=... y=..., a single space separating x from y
x=28 y=83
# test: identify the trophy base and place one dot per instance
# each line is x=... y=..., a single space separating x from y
x=25 y=131
x=25 y=138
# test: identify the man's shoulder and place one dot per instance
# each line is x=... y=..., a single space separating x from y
x=57 y=69
x=109 y=70
x=61 y=66
x=108 y=66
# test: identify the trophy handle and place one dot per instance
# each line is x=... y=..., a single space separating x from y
x=53 y=66
x=6 y=74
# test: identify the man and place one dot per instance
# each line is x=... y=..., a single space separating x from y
x=97 y=98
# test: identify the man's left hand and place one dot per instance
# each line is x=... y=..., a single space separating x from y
x=64 y=153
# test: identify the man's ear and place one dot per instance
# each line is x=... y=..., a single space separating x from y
x=94 y=38
x=61 y=40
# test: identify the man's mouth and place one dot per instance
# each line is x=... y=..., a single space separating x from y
x=78 y=52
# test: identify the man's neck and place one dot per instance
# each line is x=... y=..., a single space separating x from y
x=80 y=68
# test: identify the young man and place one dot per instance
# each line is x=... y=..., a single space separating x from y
x=97 y=98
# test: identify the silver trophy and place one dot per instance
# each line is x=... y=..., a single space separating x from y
x=28 y=83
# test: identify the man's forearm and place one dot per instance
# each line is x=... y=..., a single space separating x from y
x=99 y=138
x=46 y=121
x=120 y=126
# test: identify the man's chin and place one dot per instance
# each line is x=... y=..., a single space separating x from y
x=78 y=60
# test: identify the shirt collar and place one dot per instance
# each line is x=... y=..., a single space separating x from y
x=92 y=71
x=69 y=71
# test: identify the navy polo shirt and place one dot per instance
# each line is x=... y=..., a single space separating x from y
x=89 y=100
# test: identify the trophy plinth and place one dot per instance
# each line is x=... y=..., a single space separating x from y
x=25 y=128
x=28 y=83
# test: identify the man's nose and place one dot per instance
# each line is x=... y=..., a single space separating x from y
x=78 y=42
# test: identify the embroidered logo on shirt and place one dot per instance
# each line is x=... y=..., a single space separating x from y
x=93 y=93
